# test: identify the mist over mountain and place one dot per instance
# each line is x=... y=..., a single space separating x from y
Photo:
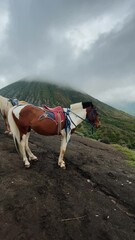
x=126 y=107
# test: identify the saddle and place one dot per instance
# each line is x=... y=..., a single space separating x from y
x=58 y=113
x=14 y=101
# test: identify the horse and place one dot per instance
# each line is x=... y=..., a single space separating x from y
x=48 y=121
x=5 y=105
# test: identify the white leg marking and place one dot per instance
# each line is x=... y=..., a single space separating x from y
x=30 y=154
x=23 y=151
x=64 y=142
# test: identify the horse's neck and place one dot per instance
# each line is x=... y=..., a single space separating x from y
x=77 y=115
x=4 y=104
x=76 y=106
x=3 y=100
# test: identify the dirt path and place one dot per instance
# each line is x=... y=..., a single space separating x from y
x=94 y=198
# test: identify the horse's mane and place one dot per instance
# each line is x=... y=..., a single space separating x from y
x=87 y=104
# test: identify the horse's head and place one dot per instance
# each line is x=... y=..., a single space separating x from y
x=92 y=114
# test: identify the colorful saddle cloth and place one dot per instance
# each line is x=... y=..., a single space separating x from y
x=14 y=101
x=56 y=113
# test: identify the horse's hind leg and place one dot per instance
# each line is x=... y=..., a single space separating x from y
x=22 y=147
x=7 y=128
x=30 y=154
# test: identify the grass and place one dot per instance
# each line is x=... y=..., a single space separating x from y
x=130 y=154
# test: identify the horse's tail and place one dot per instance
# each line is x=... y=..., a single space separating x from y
x=14 y=129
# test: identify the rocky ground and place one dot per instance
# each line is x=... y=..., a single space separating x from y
x=94 y=198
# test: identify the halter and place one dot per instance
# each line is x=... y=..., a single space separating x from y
x=69 y=120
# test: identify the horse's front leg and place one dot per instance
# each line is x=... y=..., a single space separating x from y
x=64 y=142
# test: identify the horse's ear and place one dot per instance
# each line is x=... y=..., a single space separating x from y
x=87 y=104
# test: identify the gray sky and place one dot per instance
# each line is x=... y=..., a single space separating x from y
x=86 y=44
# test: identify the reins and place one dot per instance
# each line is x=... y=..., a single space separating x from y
x=67 y=115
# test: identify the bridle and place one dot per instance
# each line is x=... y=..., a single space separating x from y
x=84 y=119
x=91 y=113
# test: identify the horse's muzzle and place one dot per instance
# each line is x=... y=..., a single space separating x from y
x=97 y=124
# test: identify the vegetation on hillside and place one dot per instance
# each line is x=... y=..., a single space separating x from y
x=117 y=126
x=130 y=154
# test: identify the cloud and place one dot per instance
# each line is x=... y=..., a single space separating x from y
x=114 y=95
x=87 y=44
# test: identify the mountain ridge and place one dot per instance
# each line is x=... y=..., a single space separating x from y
x=117 y=126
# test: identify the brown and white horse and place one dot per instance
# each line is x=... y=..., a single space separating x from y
x=48 y=121
x=5 y=105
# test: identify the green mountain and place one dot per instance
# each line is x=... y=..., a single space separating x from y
x=117 y=126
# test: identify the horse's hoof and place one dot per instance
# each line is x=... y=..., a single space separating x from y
x=6 y=132
x=63 y=167
x=27 y=166
x=33 y=159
